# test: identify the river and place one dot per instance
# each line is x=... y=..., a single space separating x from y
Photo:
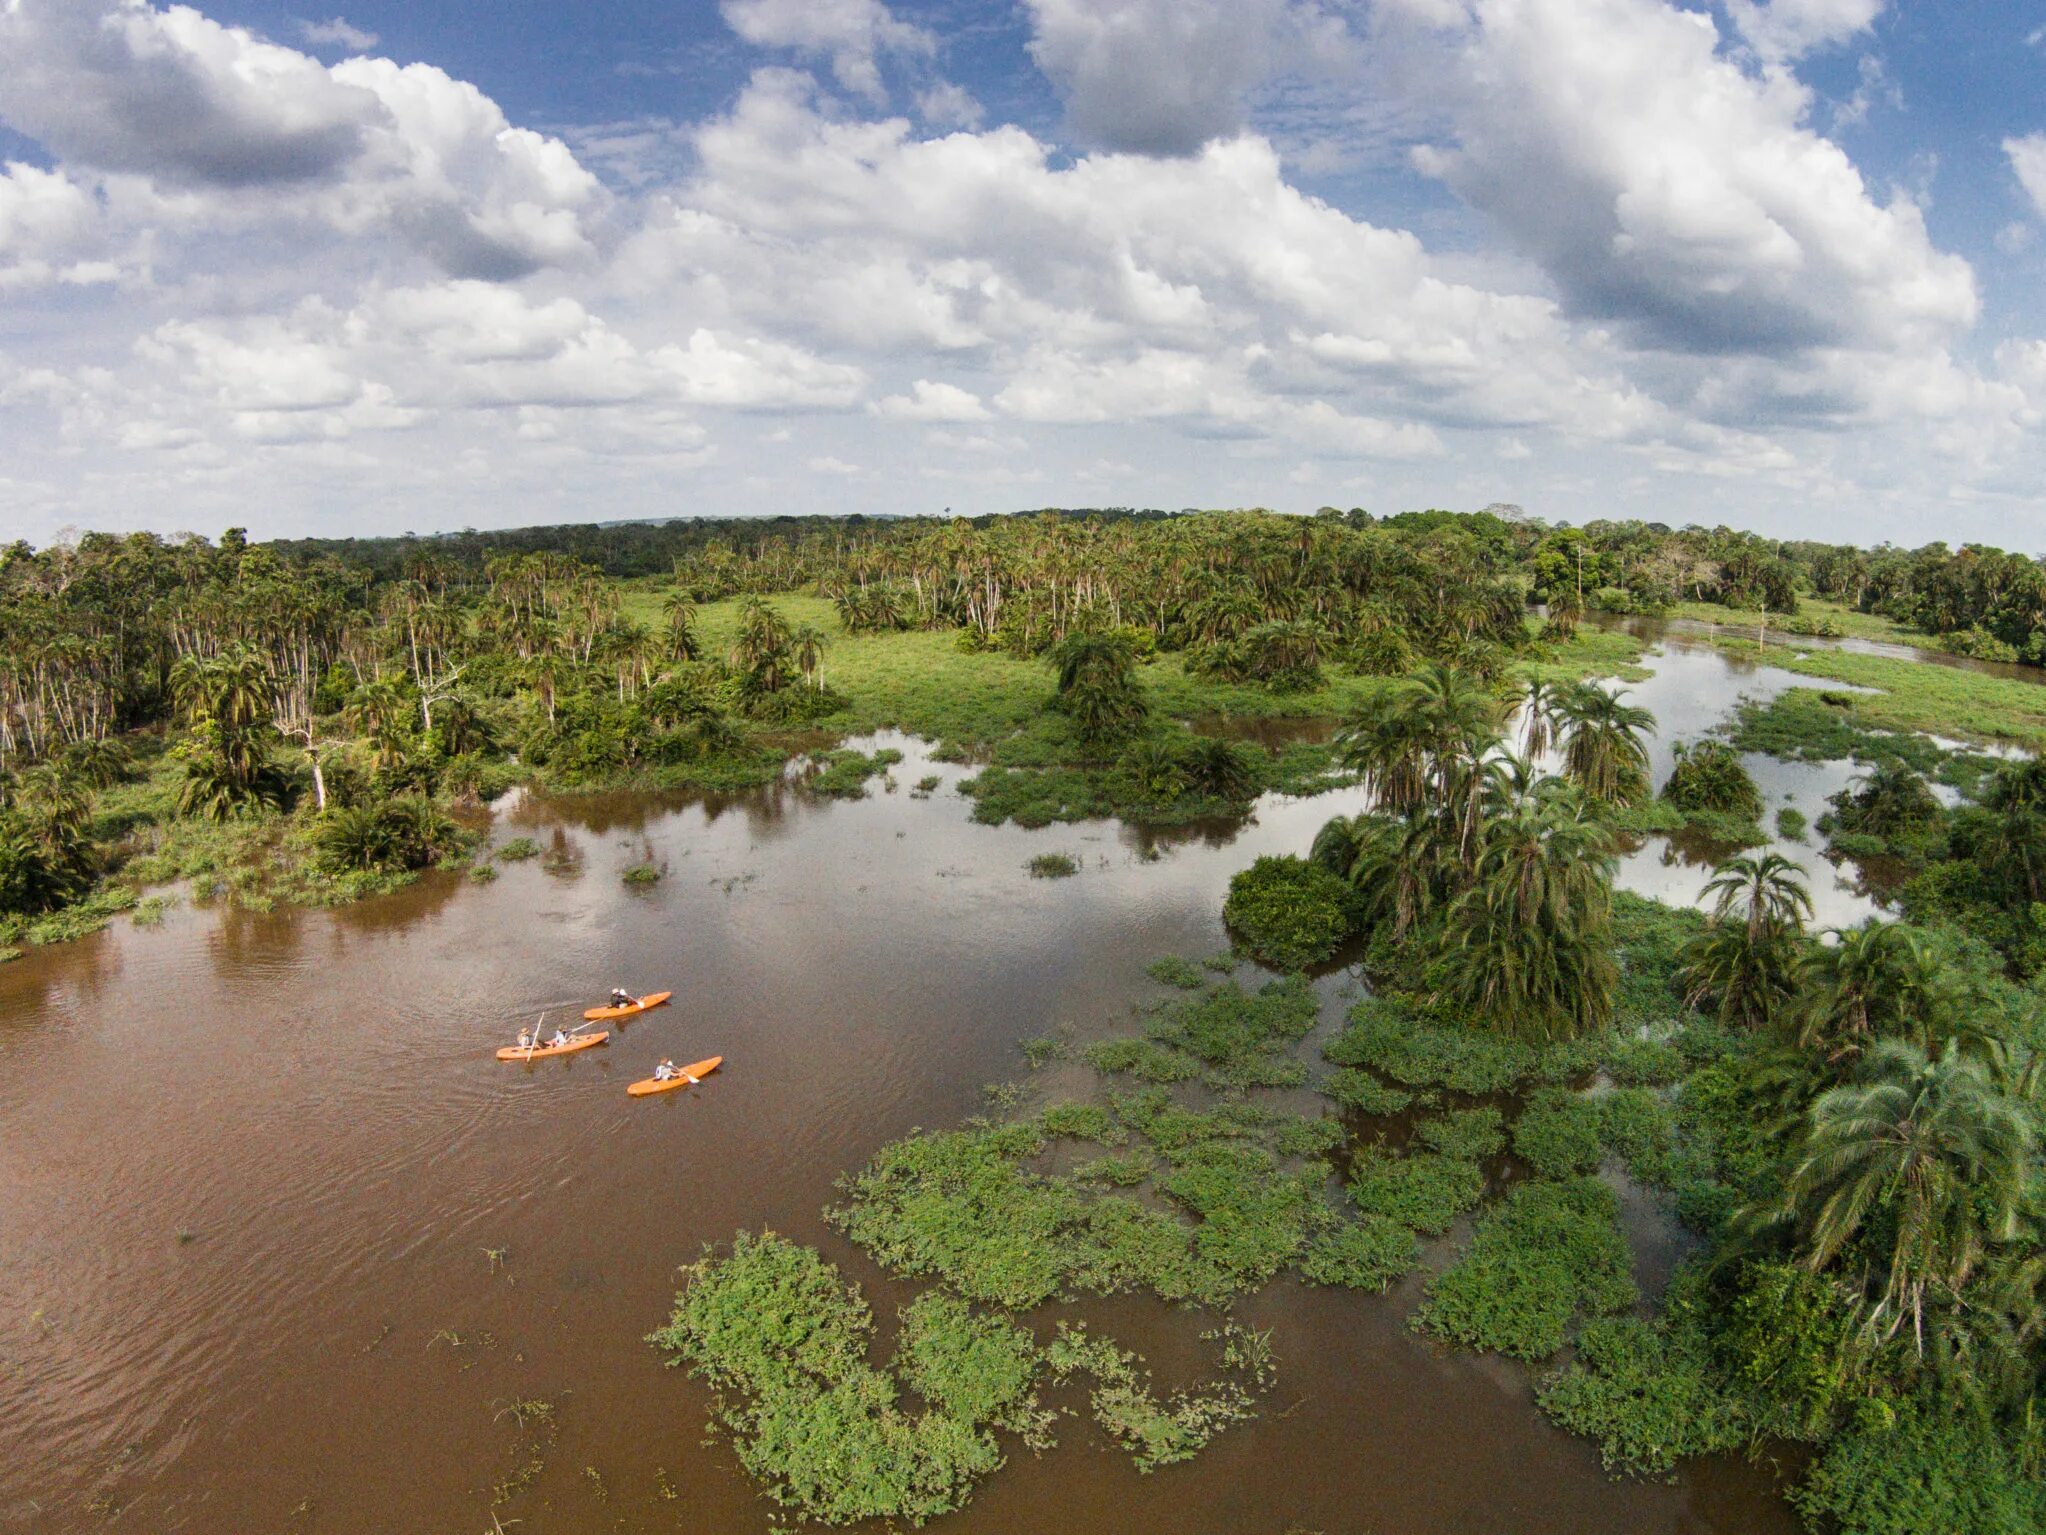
x=280 y=1241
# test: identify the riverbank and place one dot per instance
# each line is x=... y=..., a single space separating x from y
x=981 y=706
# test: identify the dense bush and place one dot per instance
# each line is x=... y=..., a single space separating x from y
x=1287 y=912
x=1709 y=776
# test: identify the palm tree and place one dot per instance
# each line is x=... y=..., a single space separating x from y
x=381 y=711
x=1602 y=747
x=808 y=641
x=679 y=628
x=234 y=688
x=1422 y=739
x=1097 y=684
x=1875 y=980
x=1765 y=892
x=1540 y=713
x=1921 y=1160
x=1528 y=947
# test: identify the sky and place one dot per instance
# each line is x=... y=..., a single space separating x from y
x=487 y=263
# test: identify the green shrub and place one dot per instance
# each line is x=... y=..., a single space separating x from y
x=518 y=850
x=1790 y=824
x=1557 y=1133
x=1288 y=913
x=1930 y=1468
x=1383 y=1035
x=1641 y=1062
x=1053 y=866
x=1709 y=776
x=1549 y=1251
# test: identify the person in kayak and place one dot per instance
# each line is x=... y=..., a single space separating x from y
x=620 y=997
x=558 y=1040
x=526 y=1039
x=666 y=1072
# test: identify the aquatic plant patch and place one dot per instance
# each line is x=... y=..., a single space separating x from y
x=1359 y=1090
x=1372 y=1252
x=1557 y=1133
x=1546 y=1254
x=1422 y=1191
x=784 y=1342
x=1389 y=1038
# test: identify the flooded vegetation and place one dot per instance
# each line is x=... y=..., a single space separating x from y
x=1319 y=1116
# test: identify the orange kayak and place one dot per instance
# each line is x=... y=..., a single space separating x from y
x=602 y=1014
x=680 y=1079
x=540 y=1052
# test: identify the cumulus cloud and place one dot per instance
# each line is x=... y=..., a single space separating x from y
x=51 y=230
x=2028 y=160
x=1163 y=77
x=337 y=33
x=1101 y=286
x=758 y=374
x=1789 y=29
x=359 y=282
x=1663 y=188
x=852 y=34
x=200 y=108
x=928 y=401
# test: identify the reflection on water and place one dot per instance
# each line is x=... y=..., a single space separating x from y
x=254 y=1168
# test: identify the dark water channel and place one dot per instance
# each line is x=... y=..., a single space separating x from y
x=280 y=1241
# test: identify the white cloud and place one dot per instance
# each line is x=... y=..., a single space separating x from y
x=1663 y=188
x=2028 y=160
x=853 y=34
x=361 y=290
x=238 y=128
x=946 y=105
x=1789 y=29
x=337 y=33
x=1163 y=77
x=51 y=230
x=928 y=401
x=758 y=374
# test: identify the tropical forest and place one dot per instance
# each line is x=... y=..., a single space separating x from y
x=1423 y=1022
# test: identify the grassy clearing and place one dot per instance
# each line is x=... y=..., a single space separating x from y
x=1817 y=615
x=1920 y=696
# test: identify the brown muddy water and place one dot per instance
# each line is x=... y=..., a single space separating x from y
x=281 y=1242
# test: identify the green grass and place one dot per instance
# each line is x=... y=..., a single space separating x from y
x=1833 y=617
x=1053 y=866
x=844 y=774
x=1920 y=696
